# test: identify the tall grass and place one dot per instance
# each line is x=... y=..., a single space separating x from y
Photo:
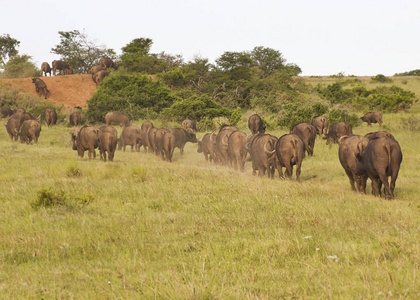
x=190 y=229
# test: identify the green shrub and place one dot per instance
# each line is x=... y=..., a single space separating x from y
x=235 y=117
x=47 y=197
x=137 y=96
x=381 y=78
x=196 y=108
x=341 y=115
x=294 y=113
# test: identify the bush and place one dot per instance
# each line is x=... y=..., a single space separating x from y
x=295 y=113
x=196 y=108
x=340 y=115
x=47 y=197
x=137 y=96
x=381 y=78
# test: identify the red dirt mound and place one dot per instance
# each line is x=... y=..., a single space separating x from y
x=68 y=90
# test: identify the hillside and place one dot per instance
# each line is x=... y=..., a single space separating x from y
x=69 y=90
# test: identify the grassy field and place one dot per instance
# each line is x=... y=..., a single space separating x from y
x=143 y=228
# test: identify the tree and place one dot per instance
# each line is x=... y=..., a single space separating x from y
x=267 y=60
x=135 y=57
x=20 y=66
x=8 y=48
x=77 y=50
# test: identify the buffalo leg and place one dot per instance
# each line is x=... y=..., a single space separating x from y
x=384 y=180
x=351 y=179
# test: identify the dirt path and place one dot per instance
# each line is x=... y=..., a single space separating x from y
x=67 y=90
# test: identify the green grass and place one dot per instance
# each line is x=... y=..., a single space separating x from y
x=190 y=229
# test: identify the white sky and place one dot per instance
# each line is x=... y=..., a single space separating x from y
x=323 y=37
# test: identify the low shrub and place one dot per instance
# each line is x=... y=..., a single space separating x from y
x=47 y=197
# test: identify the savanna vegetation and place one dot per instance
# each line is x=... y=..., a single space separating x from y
x=144 y=228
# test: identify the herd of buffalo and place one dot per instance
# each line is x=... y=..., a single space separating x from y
x=376 y=155
x=98 y=73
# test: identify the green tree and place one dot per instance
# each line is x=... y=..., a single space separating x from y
x=77 y=50
x=20 y=66
x=136 y=57
x=267 y=60
x=8 y=48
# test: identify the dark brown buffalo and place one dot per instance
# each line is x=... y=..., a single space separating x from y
x=261 y=148
x=189 y=124
x=221 y=142
x=106 y=62
x=50 y=116
x=183 y=136
x=290 y=151
x=115 y=118
x=40 y=87
x=350 y=159
x=94 y=70
x=338 y=130
x=6 y=112
x=107 y=144
x=99 y=76
x=321 y=124
x=372 y=117
x=22 y=116
x=378 y=134
x=159 y=143
x=207 y=147
x=45 y=68
x=168 y=145
x=68 y=70
x=255 y=124
x=151 y=138
x=131 y=136
x=145 y=126
x=85 y=138
x=59 y=65
x=237 y=151
x=30 y=130
x=75 y=119
x=12 y=127
x=307 y=133
x=382 y=158
x=109 y=129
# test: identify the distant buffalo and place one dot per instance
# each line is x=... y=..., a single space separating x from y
x=61 y=66
x=262 y=148
x=183 y=136
x=372 y=117
x=30 y=130
x=107 y=142
x=237 y=151
x=338 y=130
x=207 y=147
x=131 y=136
x=159 y=142
x=307 y=133
x=6 y=112
x=349 y=154
x=75 y=119
x=221 y=143
x=99 y=76
x=106 y=62
x=189 y=124
x=115 y=118
x=168 y=145
x=255 y=124
x=290 y=151
x=321 y=124
x=382 y=158
x=40 y=87
x=144 y=129
x=50 y=116
x=45 y=68
x=12 y=127
x=85 y=138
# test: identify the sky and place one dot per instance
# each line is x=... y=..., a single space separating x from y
x=323 y=37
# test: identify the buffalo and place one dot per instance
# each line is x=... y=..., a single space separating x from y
x=50 y=116
x=94 y=70
x=255 y=124
x=13 y=127
x=321 y=124
x=45 y=68
x=207 y=147
x=106 y=62
x=99 y=76
x=237 y=151
x=131 y=136
x=290 y=151
x=75 y=119
x=151 y=139
x=6 y=112
x=59 y=65
x=189 y=124
x=338 y=130
x=221 y=142
x=350 y=159
x=85 y=138
x=382 y=158
x=30 y=130
x=183 y=136
x=107 y=143
x=261 y=148
x=377 y=134
x=115 y=118
x=168 y=145
x=145 y=126
x=40 y=87
x=158 y=142
x=372 y=117
x=307 y=133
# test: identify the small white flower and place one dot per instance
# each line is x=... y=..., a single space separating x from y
x=333 y=257
x=317 y=249
x=308 y=237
